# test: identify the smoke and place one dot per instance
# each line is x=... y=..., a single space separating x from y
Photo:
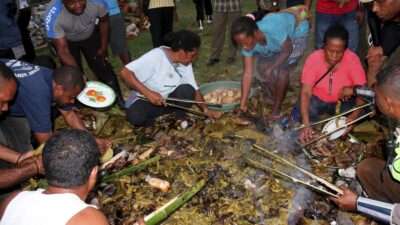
x=303 y=197
x=286 y=144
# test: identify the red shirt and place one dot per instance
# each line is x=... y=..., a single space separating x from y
x=349 y=73
x=333 y=7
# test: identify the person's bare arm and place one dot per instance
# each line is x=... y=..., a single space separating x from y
x=11 y=156
x=308 y=3
x=211 y=113
x=247 y=78
x=75 y=122
x=104 y=28
x=72 y=119
x=63 y=53
x=286 y=50
x=88 y=216
x=42 y=136
x=131 y=80
x=9 y=177
x=305 y=99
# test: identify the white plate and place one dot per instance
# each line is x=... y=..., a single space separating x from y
x=334 y=124
x=97 y=95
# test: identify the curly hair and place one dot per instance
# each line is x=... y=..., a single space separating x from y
x=69 y=157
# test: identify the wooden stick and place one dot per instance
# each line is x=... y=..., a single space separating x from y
x=331 y=118
x=339 y=128
x=295 y=180
x=326 y=183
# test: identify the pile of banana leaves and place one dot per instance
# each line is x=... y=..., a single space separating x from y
x=194 y=151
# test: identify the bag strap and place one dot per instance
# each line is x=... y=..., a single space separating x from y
x=326 y=73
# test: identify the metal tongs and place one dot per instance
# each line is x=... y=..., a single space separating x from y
x=338 y=128
x=185 y=100
x=333 y=117
x=189 y=110
x=336 y=191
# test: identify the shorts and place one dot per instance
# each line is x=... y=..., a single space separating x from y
x=118 y=39
x=299 y=47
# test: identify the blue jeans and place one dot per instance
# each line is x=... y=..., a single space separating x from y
x=348 y=20
x=318 y=107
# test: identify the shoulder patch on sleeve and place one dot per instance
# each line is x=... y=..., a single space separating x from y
x=51 y=15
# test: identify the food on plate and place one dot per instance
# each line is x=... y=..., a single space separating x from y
x=91 y=92
x=100 y=98
x=223 y=96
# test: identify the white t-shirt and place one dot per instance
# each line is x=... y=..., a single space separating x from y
x=36 y=208
x=156 y=71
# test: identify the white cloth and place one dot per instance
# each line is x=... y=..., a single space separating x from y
x=156 y=71
x=36 y=208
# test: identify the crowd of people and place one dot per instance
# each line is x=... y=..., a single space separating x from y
x=33 y=90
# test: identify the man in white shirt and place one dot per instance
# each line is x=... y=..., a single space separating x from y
x=70 y=159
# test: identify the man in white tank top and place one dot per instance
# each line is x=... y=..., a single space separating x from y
x=70 y=160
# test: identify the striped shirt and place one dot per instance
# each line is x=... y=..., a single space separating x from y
x=161 y=3
x=227 y=5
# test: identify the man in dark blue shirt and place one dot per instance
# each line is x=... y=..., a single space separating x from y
x=38 y=89
x=22 y=170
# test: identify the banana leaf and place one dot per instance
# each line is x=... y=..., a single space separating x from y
x=130 y=170
x=162 y=213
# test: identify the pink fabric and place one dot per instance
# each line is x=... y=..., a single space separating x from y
x=332 y=7
x=349 y=73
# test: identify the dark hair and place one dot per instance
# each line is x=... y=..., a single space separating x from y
x=69 y=77
x=389 y=79
x=243 y=25
x=182 y=39
x=6 y=74
x=69 y=157
x=45 y=61
x=337 y=31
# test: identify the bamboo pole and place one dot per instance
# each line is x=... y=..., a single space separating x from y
x=333 y=117
x=339 y=128
x=164 y=211
x=326 y=183
x=130 y=170
x=295 y=180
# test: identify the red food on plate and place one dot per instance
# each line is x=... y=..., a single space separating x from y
x=100 y=98
x=91 y=92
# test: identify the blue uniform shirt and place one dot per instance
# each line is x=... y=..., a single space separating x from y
x=34 y=96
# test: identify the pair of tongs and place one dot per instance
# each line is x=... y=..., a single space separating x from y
x=338 y=128
x=189 y=110
x=185 y=100
x=333 y=117
x=309 y=174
